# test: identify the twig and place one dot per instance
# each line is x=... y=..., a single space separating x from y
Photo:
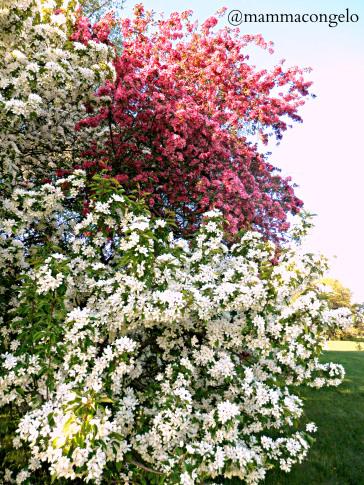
x=147 y=469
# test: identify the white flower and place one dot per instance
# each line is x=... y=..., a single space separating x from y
x=125 y=344
x=17 y=442
x=141 y=224
x=34 y=98
x=183 y=394
x=311 y=427
x=58 y=19
x=80 y=456
x=46 y=281
x=186 y=479
x=224 y=367
x=14 y=344
x=19 y=56
x=10 y=361
x=102 y=207
x=16 y=106
x=160 y=223
x=62 y=467
x=78 y=46
x=22 y=476
x=95 y=466
x=8 y=475
x=227 y=410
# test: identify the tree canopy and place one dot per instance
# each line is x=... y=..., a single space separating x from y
x=178 y=117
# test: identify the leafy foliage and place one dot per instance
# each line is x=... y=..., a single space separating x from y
x=336 y=294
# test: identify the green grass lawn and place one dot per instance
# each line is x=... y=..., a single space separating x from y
x=337 y=456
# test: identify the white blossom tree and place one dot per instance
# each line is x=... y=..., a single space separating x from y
x=128 y=352
x=46 y=82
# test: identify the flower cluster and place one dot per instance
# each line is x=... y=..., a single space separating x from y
x=45 y=82
x=131 y=354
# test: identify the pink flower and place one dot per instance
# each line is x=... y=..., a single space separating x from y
x=181 y=101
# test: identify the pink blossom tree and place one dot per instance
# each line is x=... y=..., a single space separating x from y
x=179 y=116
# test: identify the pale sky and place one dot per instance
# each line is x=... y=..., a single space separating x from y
x=323 y=155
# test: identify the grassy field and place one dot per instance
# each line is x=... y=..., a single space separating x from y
x=337 y=457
